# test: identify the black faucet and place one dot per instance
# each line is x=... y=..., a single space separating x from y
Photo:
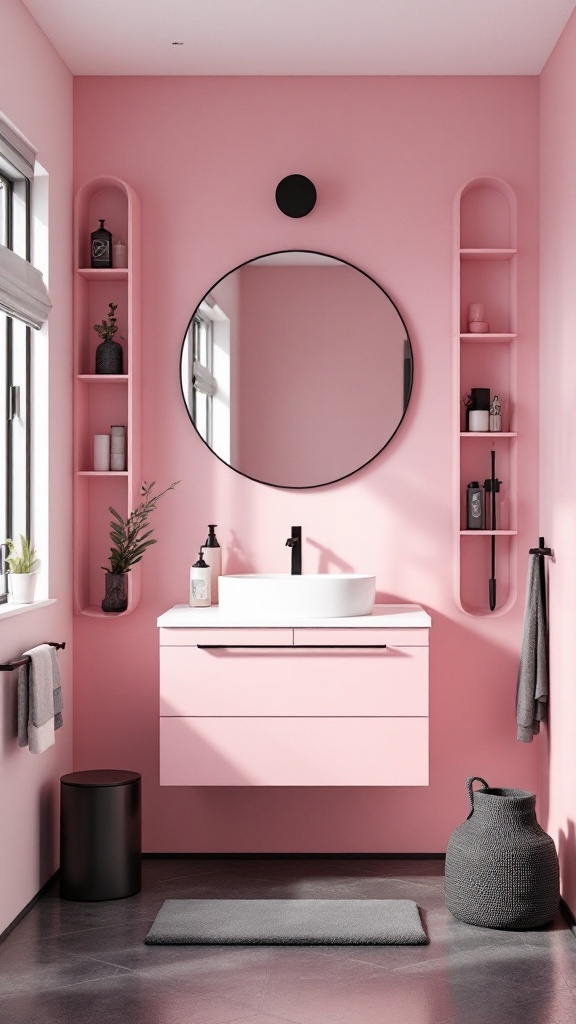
x=295 y=542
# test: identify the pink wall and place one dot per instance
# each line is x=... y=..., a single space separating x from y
x=558 y=437
x=321 y=373
x=36 y=95
x=387 y=156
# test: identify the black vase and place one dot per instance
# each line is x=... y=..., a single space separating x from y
x=116 y=599
x=109 y=357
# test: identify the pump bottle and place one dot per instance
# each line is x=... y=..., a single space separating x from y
x=212 y=554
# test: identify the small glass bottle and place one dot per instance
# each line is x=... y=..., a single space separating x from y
x=101 y=248
x=200 y=583
x=120 y=254
x=495 y=415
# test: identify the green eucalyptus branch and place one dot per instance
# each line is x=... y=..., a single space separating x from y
x=130 y=537
x=107 y=329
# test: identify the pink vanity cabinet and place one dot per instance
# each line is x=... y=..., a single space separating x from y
x=331 y=702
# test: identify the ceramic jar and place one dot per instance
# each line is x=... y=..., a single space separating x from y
x=109 y=357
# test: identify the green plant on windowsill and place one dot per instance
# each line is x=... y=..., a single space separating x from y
x=21 y=570
x=25 y=562
x=130 y=537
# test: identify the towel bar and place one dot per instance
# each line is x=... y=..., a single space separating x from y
x=25 y=659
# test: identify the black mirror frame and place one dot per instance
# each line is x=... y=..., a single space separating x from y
x=408 y=372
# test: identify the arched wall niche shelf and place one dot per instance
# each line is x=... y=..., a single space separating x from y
x=104 y=400
x=485 y=271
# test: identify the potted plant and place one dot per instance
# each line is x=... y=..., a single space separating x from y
x=130 y=538
x=109 y=351
x=22 y=571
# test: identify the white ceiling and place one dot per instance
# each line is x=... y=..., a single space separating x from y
x=303 y=37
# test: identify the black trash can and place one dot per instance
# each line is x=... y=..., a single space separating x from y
x=100 y=835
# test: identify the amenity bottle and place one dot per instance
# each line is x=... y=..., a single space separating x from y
x=474 y=506
x=200 y=583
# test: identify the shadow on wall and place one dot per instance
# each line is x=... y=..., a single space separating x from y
x=543 y=801
x=238 y=560
x=47 y=816
x=328 y=560
x=567 y=858
x=9 y=710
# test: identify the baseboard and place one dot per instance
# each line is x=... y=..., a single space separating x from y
x=252 y=856
x=297 y=856
x=28 y=907
x=568 y=916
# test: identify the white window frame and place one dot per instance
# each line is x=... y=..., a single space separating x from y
x=26 y=510
x=15 y=356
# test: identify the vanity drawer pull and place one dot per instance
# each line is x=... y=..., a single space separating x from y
x=291 y=647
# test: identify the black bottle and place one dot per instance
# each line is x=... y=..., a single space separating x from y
x=101 y=248
x=474 y=507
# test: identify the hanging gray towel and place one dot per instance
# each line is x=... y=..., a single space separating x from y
x=39 y=699
x=532 y=692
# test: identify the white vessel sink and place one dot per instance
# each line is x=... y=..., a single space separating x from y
x=314 y=595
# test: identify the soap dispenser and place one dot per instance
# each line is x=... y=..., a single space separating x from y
x=212 y=554
x=200 y=583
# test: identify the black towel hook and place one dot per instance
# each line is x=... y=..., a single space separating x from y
x=542 y=550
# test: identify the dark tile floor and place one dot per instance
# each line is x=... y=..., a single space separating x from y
x=68 y=962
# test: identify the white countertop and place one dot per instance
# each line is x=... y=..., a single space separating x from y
x=391 y=616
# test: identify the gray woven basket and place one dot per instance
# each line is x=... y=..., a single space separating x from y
x=501 y=867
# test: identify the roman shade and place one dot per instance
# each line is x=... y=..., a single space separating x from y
x=203 y=380
x=23 y=293
x=16 y=150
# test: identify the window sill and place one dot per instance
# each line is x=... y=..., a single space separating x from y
x=9 y=609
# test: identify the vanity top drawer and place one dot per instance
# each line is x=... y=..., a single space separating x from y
x=342 y=681
x=279 y=636
x=327 y=637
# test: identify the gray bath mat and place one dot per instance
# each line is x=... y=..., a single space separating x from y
x=288 y=922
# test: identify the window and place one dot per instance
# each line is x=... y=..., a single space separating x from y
x=206 y=374
x=24 y=302
x=203 y=382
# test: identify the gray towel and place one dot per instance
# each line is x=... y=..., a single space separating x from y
x=532 y=692
x=39 y=699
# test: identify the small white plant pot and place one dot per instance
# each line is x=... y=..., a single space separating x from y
x=22 y=586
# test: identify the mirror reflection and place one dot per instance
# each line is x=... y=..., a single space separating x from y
x=296 y=369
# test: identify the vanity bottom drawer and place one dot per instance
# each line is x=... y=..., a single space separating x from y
x=294 y=751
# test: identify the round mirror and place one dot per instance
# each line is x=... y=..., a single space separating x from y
x=296 y=369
